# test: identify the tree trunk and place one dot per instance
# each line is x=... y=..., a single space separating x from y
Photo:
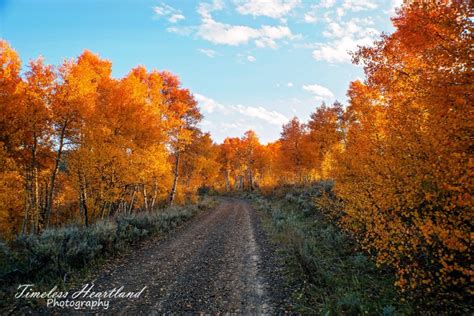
x=155 y=189
x=227 y=180
x=26 y=219
x=32 y=188
x=52 y=183
x=250 y=175
x=83 y=198
x=132 y=201
x=36 y=211
x=175 y=181
x=102 y=209
x=145 y=197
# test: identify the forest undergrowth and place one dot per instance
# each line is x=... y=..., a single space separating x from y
x=64 y=256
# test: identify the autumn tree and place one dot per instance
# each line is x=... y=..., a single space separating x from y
x=199 y=168
x=75 y=102
x=26 y=131
x=249 y=153
x=36 y=133
x=227 y=158
x=12 y=201
x=324 y=136
x=404 y=174
x=293 y=157
x=182 y=115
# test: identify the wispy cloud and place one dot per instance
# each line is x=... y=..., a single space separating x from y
x=234 y=35
x=310 y=18
x=319 y=92
x=327 y=3
x=181 y=30
x=208 y=52
x=251 y=59
x=345 y=37
x=270 y=8
x=359 y=5
x=272 y=117
x=339 y=51
x=176 y=17
x=173 y=15
x=209 y=105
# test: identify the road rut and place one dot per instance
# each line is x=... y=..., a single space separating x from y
x=221 y=262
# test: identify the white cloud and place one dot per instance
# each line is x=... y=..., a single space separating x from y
x=229 y=34
x=270 y=8
x=339 y=51
x=272 y=117
x=220 y=33
x=208 y=52
x=290 y=84
x=182 y=30
x=207 y=104
x=266 y=42
x=327 y=3
x=251 y=59
x=340 y=12
x=346 y=38
x=319 y=11
x=164 y=10
x=241 y=125
x=176 y=17
x=359 y=5
x=275 y=32
x=358 y=27
x=258 y=112
x=206 y=123
x=205 y=9
x=159 y=10
x=319 y=92
x=310 y=18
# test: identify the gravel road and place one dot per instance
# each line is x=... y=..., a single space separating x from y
x=221 y=262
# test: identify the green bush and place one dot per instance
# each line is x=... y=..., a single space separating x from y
x=59 y=252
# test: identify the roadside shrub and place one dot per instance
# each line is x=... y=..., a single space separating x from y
x=103 y=234
x=59 y=252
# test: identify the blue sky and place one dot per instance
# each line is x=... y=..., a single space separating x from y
x=251 y=64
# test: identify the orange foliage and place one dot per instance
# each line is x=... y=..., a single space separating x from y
x=78 y=145
x=406 y=172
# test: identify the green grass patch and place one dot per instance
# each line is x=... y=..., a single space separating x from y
x=331 y=276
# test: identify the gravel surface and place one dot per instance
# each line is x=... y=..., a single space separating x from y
x=221 y=262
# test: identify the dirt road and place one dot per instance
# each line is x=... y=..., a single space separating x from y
x=220 y=262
